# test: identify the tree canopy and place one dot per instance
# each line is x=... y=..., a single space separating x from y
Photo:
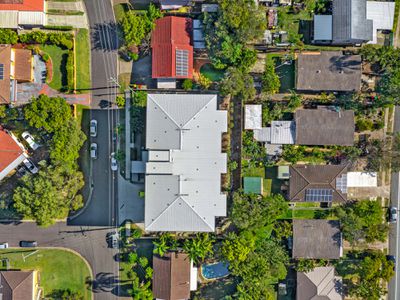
x=49 y=195
x=270 y=80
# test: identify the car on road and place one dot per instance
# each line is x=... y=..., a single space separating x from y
x=93 y=128
x=28 y=244
x=104 y=104
x=392 y=258
x=114 y=166
x=30 y=166
x=30 y=140
x=392 y=214
x=93 y=150
x=3 y=245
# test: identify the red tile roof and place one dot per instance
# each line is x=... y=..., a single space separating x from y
x=22 y=5
x=9 y=150
x=171 y=34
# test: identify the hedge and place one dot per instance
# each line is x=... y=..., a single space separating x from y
x=70 y=70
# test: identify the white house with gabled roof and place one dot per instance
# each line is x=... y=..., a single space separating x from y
x=183 y=172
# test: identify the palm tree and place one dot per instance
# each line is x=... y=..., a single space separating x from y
x=160 y=247
x=199 y=247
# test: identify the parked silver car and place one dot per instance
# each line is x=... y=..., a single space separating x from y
x=93 y=150
x=93 y=128
x=30 y=140
x=30 y=166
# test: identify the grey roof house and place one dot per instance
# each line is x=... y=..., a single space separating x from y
x=318 y=183
x=328 y=71
x=324 y=126
x=183 y=172
x=317 y=239
x=348 y=24
x=320 y=283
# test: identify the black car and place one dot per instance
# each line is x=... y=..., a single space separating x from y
x=392 y=258
x=28 y=244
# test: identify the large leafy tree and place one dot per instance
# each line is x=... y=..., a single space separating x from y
x=238 y=83
x=270 y=80
x=48 y=113
x=49 y=195
x=199 y=247
x=235 y=248
x=251 y=211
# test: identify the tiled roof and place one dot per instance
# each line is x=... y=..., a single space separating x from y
x=22 y=5
x=5 y=88
x=23 y=64
x=17 y=285
x=317 y=239
x=170 y=35
x=303 y=177
x=171 y=277
x=10 y=151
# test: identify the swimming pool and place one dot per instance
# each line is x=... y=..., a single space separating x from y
x=213 y=271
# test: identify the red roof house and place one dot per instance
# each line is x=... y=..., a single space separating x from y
x=22 y=5
x=171 y=48
x=11 y=153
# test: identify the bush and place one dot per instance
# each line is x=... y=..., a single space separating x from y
x=62 y=28
x=132 y=257
x=364 y=125
x=204 y=82
x=120 y=100
x=136 y=233
x=70 y=71
x=143 y=262
x=133 y=56
x=140 y=98
x=8 y=36
x=45 y=57
x=187 y=84
x=63 y=40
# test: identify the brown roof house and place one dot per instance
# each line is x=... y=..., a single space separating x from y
x=328 y=71
x=318 y=183
x=19 y=285
x=317 y=239
x=173 y=277
x=320 y=283
x=324 y=126
x=15 y=66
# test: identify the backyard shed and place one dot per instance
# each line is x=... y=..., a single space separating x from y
x=382 y=15
x=253 y=185
x=323 y=27
x=283 y=172
x=253 y=116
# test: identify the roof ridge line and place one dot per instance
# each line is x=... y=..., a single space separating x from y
x=197 y=213
x=200 y=110
x=155 y=102
x=308 y=183
x=163 y=211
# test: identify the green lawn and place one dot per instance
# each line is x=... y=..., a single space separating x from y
x=59 y=59
x=271 y=184
x=310 y=213
x=211 y=73
x=58 y=269
x=290 y=22
x=82 y=60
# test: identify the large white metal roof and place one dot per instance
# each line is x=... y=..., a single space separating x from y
x=9 y=19
x=253 y=116
x=184 y=193
x=382 y=15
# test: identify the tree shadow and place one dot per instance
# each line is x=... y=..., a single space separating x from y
x=64 y=74
x=105 y=37
x=105 y=283
x=345 y=64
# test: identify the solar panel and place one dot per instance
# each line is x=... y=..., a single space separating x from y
x=1 y=71
x=319 y=195
x=182 y=62
x=341 y=183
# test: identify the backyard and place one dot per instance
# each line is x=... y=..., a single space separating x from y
x=58 y=269
x=271 y=184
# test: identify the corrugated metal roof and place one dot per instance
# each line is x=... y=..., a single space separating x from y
x=253 y=116
x=323 y=27
x=190 y=127
x=9 y=19
x=263 y=134
x=171 y=34
x=283 y=132
x=30 y=18
x=382 y=15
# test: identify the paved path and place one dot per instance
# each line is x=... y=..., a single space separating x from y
x=89 y=242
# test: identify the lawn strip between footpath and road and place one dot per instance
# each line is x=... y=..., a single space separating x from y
x=59 y=268
x=82 y=54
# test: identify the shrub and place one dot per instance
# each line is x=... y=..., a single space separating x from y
x=70 y=71
x=140 y=98
x=133 y=56
x=364 y=125
x=187 y=84
x=8 y=36
x=132 y=257
x=143 y=262
x=55 y=27
x=120 y=100
x=136 y=233
x=204 y=82
x=45 y=57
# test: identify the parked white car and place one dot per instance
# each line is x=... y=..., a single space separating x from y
x=93 y=128
x=114 y=165
x=30 y=166
x=93 y=150
x=3 y=245
x=30 y=140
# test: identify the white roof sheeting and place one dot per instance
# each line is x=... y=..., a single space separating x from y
x=189 y=198
x=197 y=24
x=283 y=132
x=362 y=179
x=323 y=27
x=31 y=18
x=263 y=134
x=253 y=116
x=382 y=15
x=8 y=19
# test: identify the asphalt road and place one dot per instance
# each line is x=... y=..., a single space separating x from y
x=394 y=249
x=89 y=242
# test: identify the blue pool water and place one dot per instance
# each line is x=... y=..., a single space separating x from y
x=216 y=270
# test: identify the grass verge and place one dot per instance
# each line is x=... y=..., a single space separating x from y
x=58 y=269
x=120 y=10
x=59 y=60
x=82 y=49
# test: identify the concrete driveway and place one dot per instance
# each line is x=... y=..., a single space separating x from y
x=76 y=21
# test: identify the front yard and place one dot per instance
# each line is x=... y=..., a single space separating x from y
x=59 y=60
x=58 y=269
